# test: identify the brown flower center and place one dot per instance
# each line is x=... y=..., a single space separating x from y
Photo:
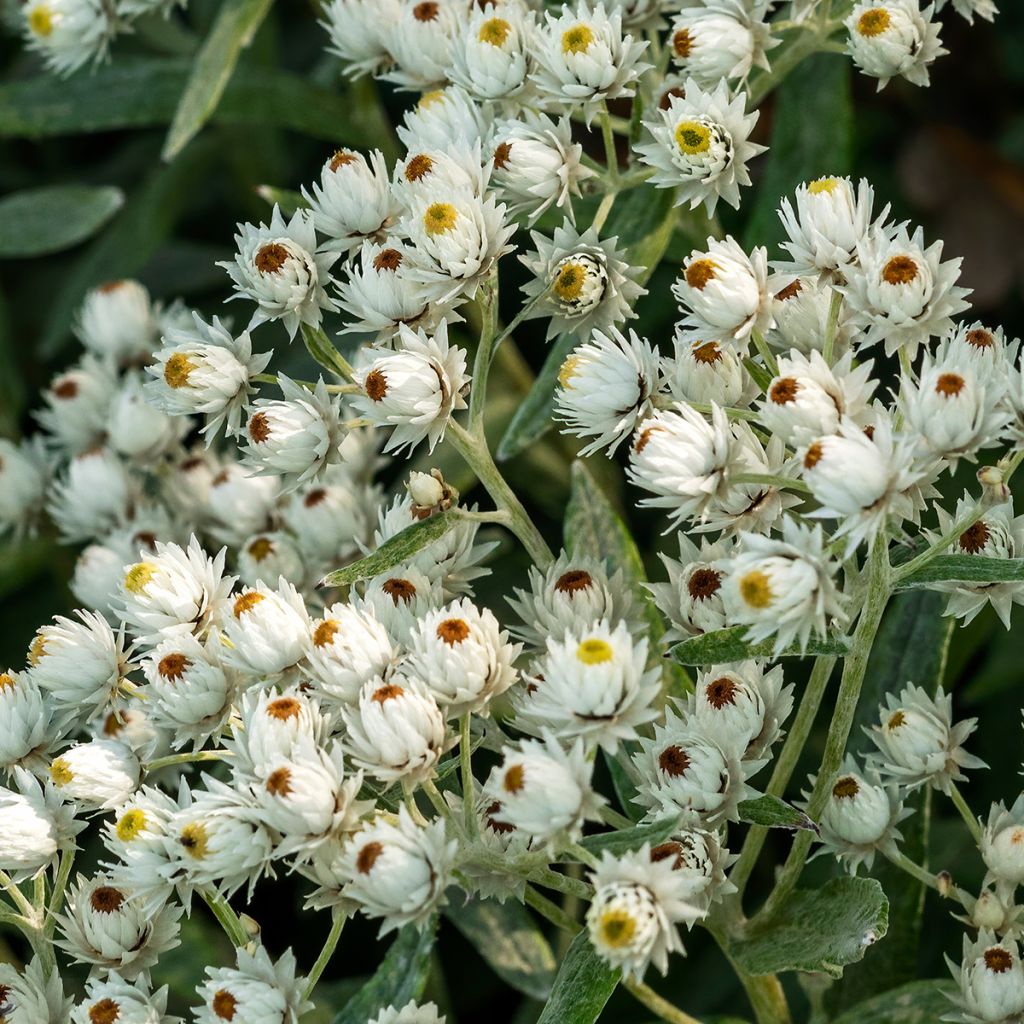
x=706 y=352
x=974 y=538
x=514 y=779
x=846 y=788
x=502 y=155
x=790 y=291
x=172 y=667
x=259 y=427
x=997 y=959
x=418 y=167
x=784 y=390
x=899 y=270
x=453 y=631
x=700 y=272
x=425 y=11
x=389 y=691
x=387 y=259
x=720 y=692
x=284 y=708
x=246 y=602
x=224 y=1004
x=703 y=584
x=674 y=761
x=375 y=385
x=573 y=581
x=270 y=258
x=813 y=455
x=279 y=782
x=682 y=43
x=323 y=635
x=342 y=158
x=980 y=338
x=106 y=899
x=106 y=1011
x=949 y=384
x=399 y=590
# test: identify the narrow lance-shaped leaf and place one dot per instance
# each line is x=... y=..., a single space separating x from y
x=771 y=812
x=919 y=1002
x=236 y=24
x=396 y=550
x=628 y=839
x=583 y=986
x=966 y=569
x=401 y=977
x=725 y=645
x=38 y=221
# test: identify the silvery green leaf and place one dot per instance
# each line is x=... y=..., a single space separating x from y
x=771 y=812
x=966 y=569
x=724 y=645
x=583 y=985
x=37 y=221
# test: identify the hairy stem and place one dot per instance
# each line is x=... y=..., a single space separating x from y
x=482 y=361
x=660 y=1007
x=226 y=917
x=466 y=766
x=550 y=910
x=965 y=812
x=330 y=944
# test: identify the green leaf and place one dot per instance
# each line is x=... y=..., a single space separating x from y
x=724 y=645
x=625 y=788
x=966 y=569
x=43 y=220
x=771 y=812
x=643 y=220
x=143 y=94
x=288 y=200
x=625 y=840
x=236 y=24
x=592 y=527
x=919 y=1002
x=401 y=977
x=582 y=987
x=817 y=92
x=395 y=551
x=818 y=930
x=508 y=938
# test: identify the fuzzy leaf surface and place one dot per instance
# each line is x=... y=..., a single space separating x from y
x=583 y=985
x=38 y=221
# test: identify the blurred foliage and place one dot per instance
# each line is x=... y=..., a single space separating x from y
x=950 y=157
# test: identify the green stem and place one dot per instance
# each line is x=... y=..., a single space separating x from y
x=478 y=457
x=190 y=757
x=435 y=797
x=323 y=350
x=879 y=589
x=330 y=944
x=550 y=910
x=561 y=883
x=226 y=917
x=482 y=361
x=582 y=855
x=767 y=998
x=785 y=766
x=949 y=537
x=60 y=884
x=782 y=482
x=611 y=154
x=765 y=352
x=607 y=202
x=20 y=900
x=965 y=812
x=616 y=820
x=832 y=326
x=466 y=768
x=659 y=1006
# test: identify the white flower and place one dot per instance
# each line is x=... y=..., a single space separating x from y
x=705 y=371
x=278 y=267
x=593 y=684
x=545 y=791
x=579 y=281
x=37 y=826
x=35 y=996
x=900 y=292
x=295 y=437
x=268 y=556
x=352 y=201
x=700 y=860
x=985 y=351
x=397 y=870
x=918 y=744
x=259 y=991
x=80 y=665
x=536 y=165
x=692 y=597
x=700 y=146
x=204 y=369
x=177 y=591
x=968 y=8
x=76 y=404
x=24 y=474
x=421 y=41
x=359 y=31
x=463 y=656
x=891 y=38
x=829 y=222
x=685 y=773
x=727 y=294
x=802 y=311
x=117 y=320
x=106 y=926
x=492 y=54
x=67 y=33
x=27 y=728
x=239 y=503
x=583 y=59
x=415 y=389
x=115 y=999
x=273 y=727
x=93 y=496
x=411 y=1013
x=721 y=39
x=1002 y=846
x=605 y=387
x=860 y=817
x=638 y=903
x=991 y=979
x=443 y=117
x=98 y=774
x=268 y=630
x=807 y=398
x=136 y=428
x=396 y=731
x=400 y=599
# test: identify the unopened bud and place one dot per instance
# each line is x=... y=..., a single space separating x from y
x=944 y=881
x=429 y=493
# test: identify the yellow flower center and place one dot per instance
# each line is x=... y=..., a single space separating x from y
x=137 y=578
x=617 y=928
x=177 y=369
x=569 y=281
x=428 y=99
x=755 y=589
x=594 y=651
x=577 y=39
x=823 y=185
x=246 y=602
x=261 y=548
x=494 y=31
x=194 y=840
x=692 y=137
x=565 y=374
x=699 y=272
x=440 y=218
x=60 y=772
x=7 y=681
x=130 y=824
x=41 y=20
x=873 y=22
x=37 y=649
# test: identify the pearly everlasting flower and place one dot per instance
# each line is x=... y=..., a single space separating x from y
x=583 y=58
x=699 y=145
x=700 y=860
x=442 y=117
x=400 y=598
x=803 y=312
x=359 y=33
x=397 y=870
x=205 y=370
x=268 y=629
x=415 y=389
x=27 y=726
x=692 y=596
x=638 y=904
x=421 y=42
x=1002 y=846
x=720 y=40
x=258 y=991
x=37 y=826
x=901 y=293
x=860 y=817
x=830 y=219
x=115 y=999
x=396 y=730
x=239 y=503
x=79 y=665
x=94 y=495
x=545 y=791
x=135 y=428
x=536 y=165
x=492 y=53
x=895 y=37
x=968 y=8
x=268 y=556
x=178 y=591
x=581 y=283
x=35 y=996
x=985 y=351
x=295 y=437
x=726 y=293
x=116 y=320
x=807 y=398
x=705 y=371
x=990 y=978
x=411 y=1013
x=24 y=475
x=278 y=267
x=606 y=387
x=106 y=926
x=685 y=773
x=274 y=726
x=463 y=657
x=98 y=774
x=76 y=405
x=67 y=34
x=918 y=742
x=352 y=200
x=426 y=171
x=593 y=684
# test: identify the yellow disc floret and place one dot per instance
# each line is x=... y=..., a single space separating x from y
x=617 y=928
x=577 y=39
x=594 y=651
x=130 y=824
x=177 y=370
x=137 y=578
x=440 y=218
x=494 y=31
x=692 y=137
x=755 y=589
